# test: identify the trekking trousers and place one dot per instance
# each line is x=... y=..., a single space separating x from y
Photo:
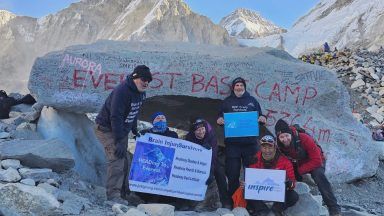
x=117 y=168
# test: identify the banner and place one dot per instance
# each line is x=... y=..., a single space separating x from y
x=241 y=124
x=265 y=184
x=171 y=167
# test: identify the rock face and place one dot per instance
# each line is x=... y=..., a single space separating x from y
x=247 y=24
x=39 y=153
x=20 y=199
x=80 y=78
x=87 y=21
x=76 y=132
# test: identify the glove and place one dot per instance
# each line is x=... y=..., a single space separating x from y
x=121 y=149
x=289 y=185
x=209 y=180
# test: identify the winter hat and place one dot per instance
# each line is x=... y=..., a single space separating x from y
x=154 y=115
x=142 y=71
x=237 y=80
x=197 y=123
x=281 y=127
x=268 y=139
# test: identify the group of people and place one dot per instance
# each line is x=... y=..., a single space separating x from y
x=291 y=150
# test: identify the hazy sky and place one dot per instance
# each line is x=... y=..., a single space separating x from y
x=281 y=12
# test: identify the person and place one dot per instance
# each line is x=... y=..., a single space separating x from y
x=116 y=119
x=378 y=135
x=6 y=103
x=201 y=133
x=326 y=47
x=306 y=157
x=270 y=158
x=159 y=126
x=238 y=150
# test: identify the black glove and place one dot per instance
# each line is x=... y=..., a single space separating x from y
x=209 y=180
x=121 y=149
x=289 y=185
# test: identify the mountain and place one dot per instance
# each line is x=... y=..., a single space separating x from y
x=341 y=23
x=248 y=24
x=22 y=38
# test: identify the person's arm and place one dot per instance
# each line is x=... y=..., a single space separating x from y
x=262 y=118
x=313 y=152
x=291 y=180
x=119 y=104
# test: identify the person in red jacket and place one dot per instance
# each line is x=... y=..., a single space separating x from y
x=270 y=158
x=306 y=157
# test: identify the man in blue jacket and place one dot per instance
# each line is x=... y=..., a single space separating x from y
x=238 y=150
x=116 y=119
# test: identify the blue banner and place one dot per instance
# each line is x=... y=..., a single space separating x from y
x=241 y=124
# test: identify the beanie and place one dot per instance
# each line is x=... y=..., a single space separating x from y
x=142 y=71
x=282 y=127
x=197 y=123
x=237 y=80
x=154 y=115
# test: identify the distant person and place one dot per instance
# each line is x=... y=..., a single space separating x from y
x=270 y=158
x=326 y=47
x=239 y=150
x=116 y=119
x=378 y=134
x=306 y=157
x=6 y=103
x=159 y=126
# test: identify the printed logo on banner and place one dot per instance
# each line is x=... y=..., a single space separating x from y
x=266 y=185
x=152 y=164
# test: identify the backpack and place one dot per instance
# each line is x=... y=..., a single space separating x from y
x=297 y=142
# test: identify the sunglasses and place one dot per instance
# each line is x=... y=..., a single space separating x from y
x=145 y=79
x=268 y=139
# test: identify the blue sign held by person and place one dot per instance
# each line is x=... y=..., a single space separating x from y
x=241 y=124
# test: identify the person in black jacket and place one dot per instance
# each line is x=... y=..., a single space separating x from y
x=115 y=120
x=5 y=104
x=239 y=150
x=159 y=122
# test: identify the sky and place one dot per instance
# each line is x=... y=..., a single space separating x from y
x=283 y=13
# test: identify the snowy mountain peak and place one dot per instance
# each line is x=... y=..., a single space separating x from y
x=5 y=16
x=247 y=24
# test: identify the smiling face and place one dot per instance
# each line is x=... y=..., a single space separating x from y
x=200 y=132
x=268 y=151
x=141 y=84
x=285 y=138
x=239 y=89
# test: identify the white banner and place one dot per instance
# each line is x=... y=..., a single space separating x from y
x=265 y=184
x=168 y=166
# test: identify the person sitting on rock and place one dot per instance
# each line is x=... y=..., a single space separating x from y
x=306 y=157
x=159 y=122
x=270 y=158
x=201 y=133
x=159 y=127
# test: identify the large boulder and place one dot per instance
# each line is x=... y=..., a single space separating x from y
x=79 y=78
x=76 y=132
x=19 y=199
x=51 y=153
